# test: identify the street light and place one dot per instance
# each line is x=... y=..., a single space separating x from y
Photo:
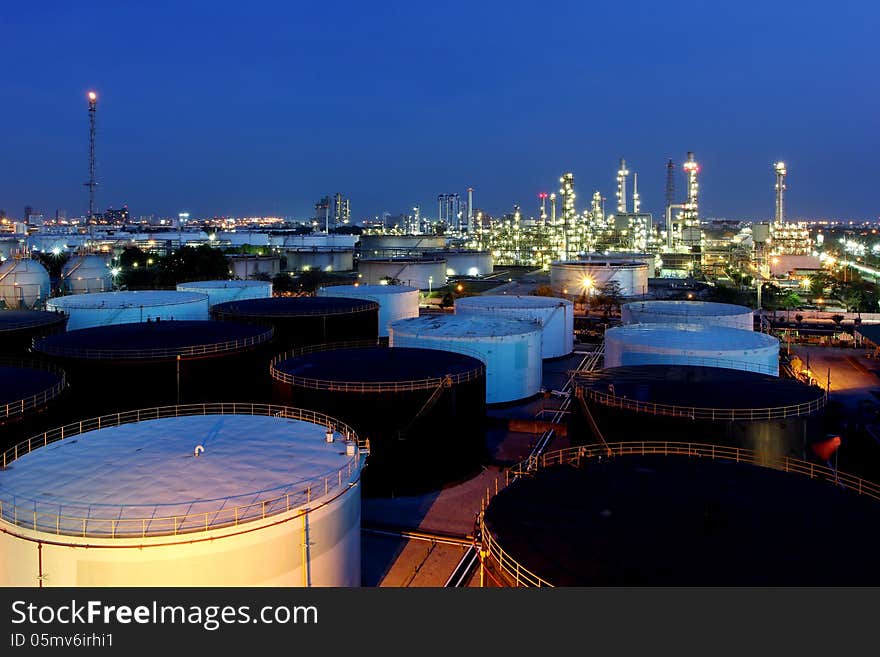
x=430 y=283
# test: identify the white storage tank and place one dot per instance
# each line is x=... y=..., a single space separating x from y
x=377 y=244
x=222 y=291
x=105 y=308
x=555 y=316
x=691 y=344
x=84 y=274
x=420 y=273
x=395 y=301
x=24 y=284
x=320 y=258
x=466 y=263
x=705 y=313
x=576 y=277
x=510 y=348
x=246 y=267
x=200 y=495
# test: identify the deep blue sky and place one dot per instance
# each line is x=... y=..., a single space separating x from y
x=261 y=108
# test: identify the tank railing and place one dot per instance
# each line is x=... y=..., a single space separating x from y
x=232 y=314
x=23 y=324
x=700 y=361
x=39 y=399
x=160 y=352
x=576 y=456
x=149 y=520
x=364 y=386
x=708 y=413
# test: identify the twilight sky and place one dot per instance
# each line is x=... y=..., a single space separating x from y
x=249 y=108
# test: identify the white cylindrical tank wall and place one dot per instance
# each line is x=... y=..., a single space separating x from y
x=467 y=263
x=510 y=348
x=85 y=274
x=203 y=500
x=691 y=344
x=395 y=301
x=423 y=274
x=24 y=284
x=760 y=232
x=688 y=312
x=575 y=277
x=376 y=244
x=222 y=291
x=555 y=316
x=246 y=267
x=105 y=308
x=323 y=259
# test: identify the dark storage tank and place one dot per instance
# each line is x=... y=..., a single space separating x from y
x=674 y=514
x=422 y=410
x=774 y=417
x=303 y=321
x=28 y=388
x=19 y=329
x=124 y=366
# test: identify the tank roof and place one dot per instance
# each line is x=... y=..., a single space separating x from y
x=685 y=308
x=160 y=339
x=147 y=470
x=370 y=289
x=17 y=320
x=377 y=365
x=19 y=382
x=129 y=299
x=512 y=301
x=464 y=327
x=413 y=260
x=674 y=521
x=220 y=285
x=683 y=386
x=694 y=337
x=293 y=306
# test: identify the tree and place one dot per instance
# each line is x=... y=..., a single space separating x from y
x=609 y=297
x=791 y=301
x=799 y=318
x=543 y=291
x=837 y=319
x=201 y=263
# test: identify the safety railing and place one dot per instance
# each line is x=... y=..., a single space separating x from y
x=519 y=575
x=129 y=521
x=428 y=383
x=39 y=322
x=701 y=361
x=191 y=351
x=707 y=413
x=37 y=400
x=230 y=309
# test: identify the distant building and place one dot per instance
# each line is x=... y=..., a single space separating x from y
x=119 y=216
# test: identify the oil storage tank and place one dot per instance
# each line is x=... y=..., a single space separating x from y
x=422 y=410
x=320 y=259
x=381 y=245
x=466 y=263
x=27 y=388
x=24 y=284
x=164 y=362
x=771 y=416
x=203 y=495
x=691 y=344
x=395 y=301
x=577 y=277
x=223 y=291
x=19 y=329
x=303 y=321
x=85 y=274
x=705 y=313
x=652 y=513
x=107 y=308
x=420 y=273
x=510 y=348
x=555 y=316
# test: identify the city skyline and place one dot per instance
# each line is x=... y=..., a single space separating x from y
x=263 y=113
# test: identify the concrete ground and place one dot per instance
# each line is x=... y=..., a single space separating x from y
x=853 y=376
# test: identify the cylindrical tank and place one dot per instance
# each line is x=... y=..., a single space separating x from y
x=106 y=308
x=304 y=321
x=24 y=284
x=421 y=273
x=320 y=259
x=510 y=348
x=769 y=415
x=247 y=267
x=395 y=301
x=377 y=244
x=222 y=291
x=691 y=344
x=555 y=316
x=203 y=495
x=465 y=263
x=760 y=232
x=19 y=329
x=164 y=362
x=27 y=388
x=688 y=312
x=577 y=277
x=86 y=274
x=657 y=513
x=422 y=410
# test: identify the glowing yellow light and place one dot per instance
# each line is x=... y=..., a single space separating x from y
x=459 y=287
x=587 y=282
x=93 y=96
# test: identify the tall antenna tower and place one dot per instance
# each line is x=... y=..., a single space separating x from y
x=622 y=173
x=670 y=183
x=691 y=210
x=93 y=110
x=779 y=167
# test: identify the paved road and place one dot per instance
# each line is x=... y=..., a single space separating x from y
x=853 y=377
